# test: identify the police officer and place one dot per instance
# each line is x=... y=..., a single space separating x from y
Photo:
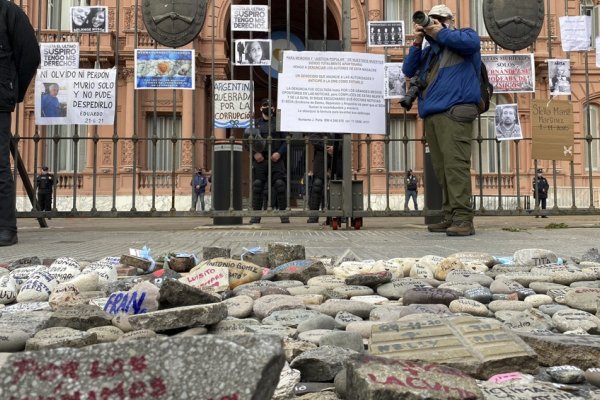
x=19 y=59
x=261 y=158
x=45 y=184
x=411 y=189
x=330 y=144
x=540 y=189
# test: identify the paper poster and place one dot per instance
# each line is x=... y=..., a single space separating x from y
x=508 y=126
x=386 y=33
x=164 y=69
x=510 y=73
x=552 y=130
x=59 y=55
x=575 y=32
x=336 y=92
x=75 y=96
x=233 y=104
x=252 y=52
x=89 y=19
x=559 y=77
x=394 y=81
x=249 y=18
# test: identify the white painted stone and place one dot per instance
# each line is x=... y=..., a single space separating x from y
x=37 y=288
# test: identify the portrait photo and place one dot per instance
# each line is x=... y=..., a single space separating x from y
x=86 y=19
x=53 y=102
x=252 y=52
x=559 y=77
x=507 y=122
x=394 y=81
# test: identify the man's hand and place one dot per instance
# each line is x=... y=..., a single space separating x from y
x=258 y=157
x=275 y=157
x=419 y=33
x=197 y=186
x=329 y=150
x=433 y=29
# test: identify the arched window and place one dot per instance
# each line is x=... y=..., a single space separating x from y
x=594 y=148
x=492 y=151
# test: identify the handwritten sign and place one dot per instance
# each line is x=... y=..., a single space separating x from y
x=59 y=55
x=75 y=96
x=208 y=276
x=249 y=18
x=552 y=130
x=575 y=32
x=233 y=104
x=510 y=73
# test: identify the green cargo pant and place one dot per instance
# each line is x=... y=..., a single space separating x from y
x=450 y=147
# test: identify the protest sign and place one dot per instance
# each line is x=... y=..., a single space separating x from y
x=59 y=55
x=252 y=52
x=552 y=130
x=249 y=18
x=394 y=81
x=510 y=73
x=164 y=69
x=233 y=104
x=337 y=92
x=575 y=32
x=89 y=19
x=559 y=74
x=508 y=126
x=75 y=96
x=386 y=33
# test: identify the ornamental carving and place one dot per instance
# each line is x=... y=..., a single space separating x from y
x=107 y=153
x=127 y=152
x=374 y=15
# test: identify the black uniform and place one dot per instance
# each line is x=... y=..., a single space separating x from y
x=541 y=185
x=45 y=184
x=19 y=59
x=334 y=165
x=260 y=170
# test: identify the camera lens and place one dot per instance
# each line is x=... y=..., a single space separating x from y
x=420 y=18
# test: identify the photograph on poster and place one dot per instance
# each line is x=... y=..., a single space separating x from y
x=394 y=81
x=386 y=33
x=507 y=122
x=89 y=19
x=53 y=105
x=164 y=69
x=252 y=52
x=559 y=77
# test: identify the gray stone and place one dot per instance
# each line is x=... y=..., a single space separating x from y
x=585 y=299
x=314 y=336
x=592 y=375
x=299 y=270
x=502 y=305
x=482 y=295
x=277 y=330
x=343 y=318
x=12 y=340
x=137 y=262
x=372 y=279
x=591 y=255
x=260 y=258
x=469 y=307
x=525 y=321
x=140 y=334
x=394 y=312
x=524 y=391
x=348 y=291
x=332 y=307
x=81 y=317
x=396 y=289
x=327 y=281
x=543 y=287
x=266 y=305
x=210 y=252
x=141 y=298
x=293 y=348
x=288 y=378
x=466 y=276
x=91 y=371
x=232 y=326
x=346 y=340
x=27 y=321
x=199 y=330
x=460 y=287
x=505 y=286
x=290 y=318
x=375 y=378
x=53 y=338
x=181 y=317
x=281 y=253
x=429 y=296
x=306 y=290
x=24 y=262
x=317 y=322
x=566 y=374
x=26 y=307
x=550 y=309
x=568 y=320
x=534 y=257
x=554 y=349
x=523 y=293
x=239 y=306
x=106 y=334
x=475 y=257
x=322 y=363
x=176 y=294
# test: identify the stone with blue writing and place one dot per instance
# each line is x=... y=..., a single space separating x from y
x=395 y=289
x=475 y=257
x=459 y=287
x=37 y=288
x=297 y=270
x=8 y=289
x=568 y=320
x=21 y=275
x=534 y=257
x=481 y=294
x=105 y=269
x=538 y=300
x=585 y=299
x=343 y=318
x=370 y=377
x=53 y=338
x=64 y=269
x=266 y=305
x=173 y=293
x=142 y=298
x=180 y=317
x=481 y=347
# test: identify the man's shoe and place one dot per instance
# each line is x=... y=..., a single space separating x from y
x=537 y=216
x=285 y=220
x=8 y=238
x=461 y=228
x=255 y=220
x=440 y=226
x=312 y=220
x=544 y=216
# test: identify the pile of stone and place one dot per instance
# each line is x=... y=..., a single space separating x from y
x=275 y=325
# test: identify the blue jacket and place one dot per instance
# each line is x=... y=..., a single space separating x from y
x=457 y=79
x=199 y=180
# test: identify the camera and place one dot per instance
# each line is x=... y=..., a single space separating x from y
x=414 y=87
x=422 y=19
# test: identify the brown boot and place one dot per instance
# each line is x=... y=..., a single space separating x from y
x=440 y=226
x=461 y=228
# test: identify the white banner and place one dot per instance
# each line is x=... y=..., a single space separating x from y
x=335 y=92
x=249 y=18
x=75 y=96
x=510 y=73
x=575 y=32
x=233 y=103
x=59 y=55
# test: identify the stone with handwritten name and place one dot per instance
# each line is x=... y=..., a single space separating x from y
x=52 y=338
x=395 y=289
x=475 y=257
x=345 y=340
x=583 y=299
x=298 y=270
x=277 y=330
x=63 y=269
x=370 y=377
x=524 y=391
x=21 y=275
x=534 y=257
x=556 y=349
x=479 y=347
x=65 y=295
x=326 y=281
x=239 y=306
x=429 y=296
x=502 y=305
x=106 y=271
x=350 y=268
x=106 y=334
x=232 y=326
x=8 y=289
x=240 y=272
x=481 y=294
x=525 y=321
x=592 y=375
x=266 y=305
x=402 y=265
x=174 y=293
x=12 y=340
x=37 y=288
x=294 y=347
x=180 y=317
x=568 y=320
x=468 y=276
x=446 y=265
x=469 y=306
x=333 y=306
x=290 y=318
x=321 y=364
x=347 y=291
x=211 y=276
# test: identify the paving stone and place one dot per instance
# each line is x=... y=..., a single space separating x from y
x=210 y=252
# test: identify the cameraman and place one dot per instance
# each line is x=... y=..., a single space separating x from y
x=448 y=71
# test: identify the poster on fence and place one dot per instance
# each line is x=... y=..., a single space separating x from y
x=508 y=126
x=337 y=92
x=394 y=81
x=75 y=96
x=575 y=32
x=386 y=33
x=559 y=74
x=89 y=19
x=249 y=18
x=164 y=69
x=233 y=104
x=252 y=52
x=510 y=73
x=552 y=130
x=59 y=55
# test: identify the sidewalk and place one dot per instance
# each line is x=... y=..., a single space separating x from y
x=380 y=238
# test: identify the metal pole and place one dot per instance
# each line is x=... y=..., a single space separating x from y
x=347 y=147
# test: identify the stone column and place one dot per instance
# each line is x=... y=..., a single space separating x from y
x=126 y=146
x=187 y=118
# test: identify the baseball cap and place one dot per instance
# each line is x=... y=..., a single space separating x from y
x=441 y=10
x=265 y=102
x=539 y=170
x=44 y=168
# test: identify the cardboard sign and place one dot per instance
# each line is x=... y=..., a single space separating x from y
x=552 y=130
x=233 y=104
